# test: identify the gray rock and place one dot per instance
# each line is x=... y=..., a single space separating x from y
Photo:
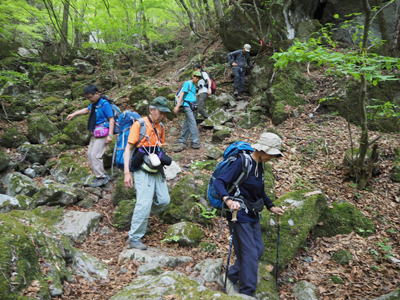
x=395 y=295
x=188 y=234
x=172 y=171
x=27 y=53
x=304 y=290
x=19 y=184
x=154 y=256
x=30 y=172
x=215 y=153
x=77 y=225
x=209 y=269
x=82 y=66
x=55 y=194
x=87 y=266
x=105 y=230
x=150 y=269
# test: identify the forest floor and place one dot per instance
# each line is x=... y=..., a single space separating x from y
x=314 y=148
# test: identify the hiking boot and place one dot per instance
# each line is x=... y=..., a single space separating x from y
x=230 y=287
x=136 y=245
x=108 y=177
x=99 y=182
x=195 y=146
x=239 y=97
x=235 y=93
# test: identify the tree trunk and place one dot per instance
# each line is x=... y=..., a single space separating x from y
x=219 y=10
x=360 y=168
x=144 y=32
x=64 y=31
x=208 y=15
x=191 y=19
x=383 y=28
x=78 y=42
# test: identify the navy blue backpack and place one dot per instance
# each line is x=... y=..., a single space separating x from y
x=231 y=154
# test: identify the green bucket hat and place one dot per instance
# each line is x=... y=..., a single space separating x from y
x=161 y=103
x=197 y=73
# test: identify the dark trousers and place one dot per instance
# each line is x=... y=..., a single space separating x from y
x=249 y=247
x=239 y=73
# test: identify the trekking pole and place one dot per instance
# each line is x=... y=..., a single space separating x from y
x=234 y=219
x=277 y=253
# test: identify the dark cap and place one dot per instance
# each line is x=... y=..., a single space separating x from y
x=161 y=103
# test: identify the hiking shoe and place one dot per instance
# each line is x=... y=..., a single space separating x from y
x=235 y=93
x=230 y=287
x=136 y=245
x=195 y=146
x=239 y=97
x=108 y=177
x=99 y=182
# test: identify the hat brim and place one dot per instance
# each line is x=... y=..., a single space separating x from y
x=162 y=108
x=268 y=150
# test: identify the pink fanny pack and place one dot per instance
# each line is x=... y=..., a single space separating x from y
x=100 y=131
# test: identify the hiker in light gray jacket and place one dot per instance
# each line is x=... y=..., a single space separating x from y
x=238 y=60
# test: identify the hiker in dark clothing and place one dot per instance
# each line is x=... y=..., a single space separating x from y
x=247 y=238
x=238 y=60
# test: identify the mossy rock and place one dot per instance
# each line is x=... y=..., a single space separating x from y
x=138 y=60
x=220 y=136
x=272 y=129
x=123 y=214
x=40 y=129
x=136 y=80
x=39 y=153
x=71 y=170
x=163 y=91
x=304 y=211
x=12 y=139
x=23 y=247
x=77 y=130
x=343 y=218
x=207 y=247
x=4 y=160
x=139 y=93
x=122 y=193
x=395 y=174
x=60 y=138
x=19 y=184
x=342 y=257
x=54 y=82
x=177 y=156
x=108 y=154
x=186 y=233
x=189 y=191
x=17 y=110
x=250 y=120
x=336 y=279
x=266 y=286
x=52 y=105
x=269 y=182
x=208 y=165
x=77 y=89
x=214 y=153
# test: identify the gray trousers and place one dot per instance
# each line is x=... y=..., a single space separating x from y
x=189 y=127
x=151 y=197
x=201 y=100
x=240 y=74
x=97 y=147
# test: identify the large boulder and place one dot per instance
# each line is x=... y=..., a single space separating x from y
x=54 y=82
x=343 y=218
x=16 y=110
x=8 y=203
x=77 y=130
x=123 y=214
x=303 y=211
x=19 y=184
x=154 y=255
x=88 y=267
x=40 y=128
x=122 y=193
x=187 y=198
x=52 y=106
x=346 y=98
x=139 y=98
x=26 y=252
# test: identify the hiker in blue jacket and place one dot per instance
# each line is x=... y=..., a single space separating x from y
x=101 y=114
x=238 y=60
x=247 y=238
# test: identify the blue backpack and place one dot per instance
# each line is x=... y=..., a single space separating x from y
x=115 y=109
x=126 y=120
x=231 y=154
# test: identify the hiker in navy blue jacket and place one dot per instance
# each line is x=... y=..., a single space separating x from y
x=247 y=238
x=238 y=60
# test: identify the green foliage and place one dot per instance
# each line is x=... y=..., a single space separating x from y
x=171 y=239
x=206 y=213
